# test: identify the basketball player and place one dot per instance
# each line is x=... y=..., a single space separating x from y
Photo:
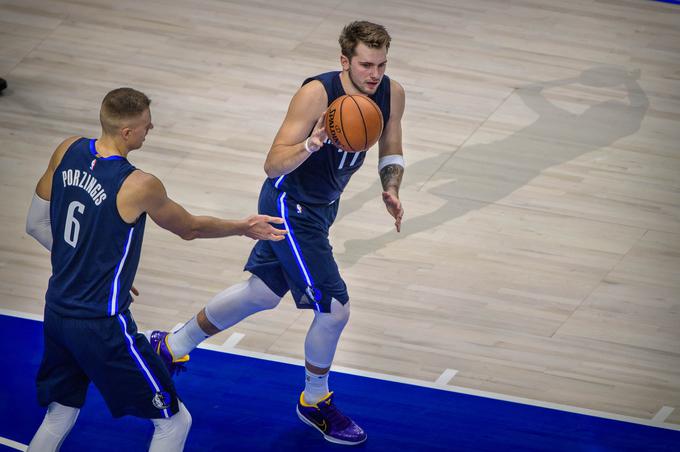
x=306 y=176
x=89 y=209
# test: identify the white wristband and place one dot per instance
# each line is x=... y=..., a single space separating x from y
x=394 y=159
x=307 y=148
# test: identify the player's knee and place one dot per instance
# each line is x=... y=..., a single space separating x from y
x=172 y=430
x=57 y=423
x=261 y=295
x=60 y=418
x=340 y=312
x=184 y=421
x=338 y=317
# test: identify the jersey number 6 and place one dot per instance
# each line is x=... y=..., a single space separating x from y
x=72 y=226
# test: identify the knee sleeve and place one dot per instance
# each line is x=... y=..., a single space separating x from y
x=238 y=302
x=56 y=425
x=324 y=334
x=170 y=434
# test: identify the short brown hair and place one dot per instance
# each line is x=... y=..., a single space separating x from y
x=372 y=35
x=119 y=105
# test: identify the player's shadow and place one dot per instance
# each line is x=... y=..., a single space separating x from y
x=485 y=173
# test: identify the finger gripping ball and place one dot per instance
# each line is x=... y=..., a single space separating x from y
x=354 y=123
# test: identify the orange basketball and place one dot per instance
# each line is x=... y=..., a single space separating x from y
x=354 y=123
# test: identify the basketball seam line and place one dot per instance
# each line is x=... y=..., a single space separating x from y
x=363 y=122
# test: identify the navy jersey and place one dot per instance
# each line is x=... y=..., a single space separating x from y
x=95 y=253
x=323 y=176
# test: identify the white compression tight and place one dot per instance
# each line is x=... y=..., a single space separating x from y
x=56 y=425
x=225 y=309
x=324 y=334
x=170 y=434
x=239 y=301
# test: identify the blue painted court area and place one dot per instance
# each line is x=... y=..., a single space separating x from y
x=247 y=404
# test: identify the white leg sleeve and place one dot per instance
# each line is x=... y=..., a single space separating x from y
x=238 y=302
x=170 y=434
x=56 y=425
x=324 y=334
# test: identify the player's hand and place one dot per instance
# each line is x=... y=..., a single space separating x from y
x=393 y=205
x=319 y=135
x=258 y=227
x=135 y=292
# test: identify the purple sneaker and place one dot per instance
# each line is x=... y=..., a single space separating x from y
x=333 y=425
x=159 y=343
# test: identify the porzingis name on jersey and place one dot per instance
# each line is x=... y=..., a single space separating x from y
x=86 y=181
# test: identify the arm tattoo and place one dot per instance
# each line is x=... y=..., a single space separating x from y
x=390 y=176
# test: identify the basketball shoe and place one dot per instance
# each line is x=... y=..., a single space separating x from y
x=159 y=343
x=333 y=425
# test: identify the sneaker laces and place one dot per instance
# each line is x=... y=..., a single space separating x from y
x=334 y=416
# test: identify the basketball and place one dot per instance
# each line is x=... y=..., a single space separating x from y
x=354 y=123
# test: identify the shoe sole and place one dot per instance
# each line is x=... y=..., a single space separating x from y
x=327 y=437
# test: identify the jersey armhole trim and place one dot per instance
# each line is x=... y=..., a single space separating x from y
x=116 y=201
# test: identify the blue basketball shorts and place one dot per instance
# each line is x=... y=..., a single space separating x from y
x=302 y=263
x=110 y=353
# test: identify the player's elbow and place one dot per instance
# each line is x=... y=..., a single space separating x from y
x=189 y=234
x=41 y=232
x=190 y=230
x=31 y=230
x=273 y=165
x=270 y=170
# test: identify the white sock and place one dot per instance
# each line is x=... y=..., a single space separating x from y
x=186 y=338
x=316 y=387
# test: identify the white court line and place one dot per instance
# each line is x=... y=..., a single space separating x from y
x=446 y=377
x=662 y=415
x=23 y=315
x=13 y=444
x=457 y=389
x=234 y=339
x=421 y=383
x=177 y=327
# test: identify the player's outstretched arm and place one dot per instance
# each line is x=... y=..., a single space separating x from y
x=143 y=192
x=291 y=147
x=391 y=162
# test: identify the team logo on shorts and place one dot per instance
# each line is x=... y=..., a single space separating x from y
x=161 y=400
x=298 y=207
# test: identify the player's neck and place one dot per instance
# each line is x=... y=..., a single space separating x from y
x=107 y=146
x=348 y=85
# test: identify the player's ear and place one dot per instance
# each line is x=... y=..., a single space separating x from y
x=344 y=61
x=125 y=132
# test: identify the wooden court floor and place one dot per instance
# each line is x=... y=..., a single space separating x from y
x=540 y=252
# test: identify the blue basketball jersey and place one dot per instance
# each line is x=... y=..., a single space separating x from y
x=94 y=252
x=323 y=176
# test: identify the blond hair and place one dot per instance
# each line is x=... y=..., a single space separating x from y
x=119 y=105
x=372 y=35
